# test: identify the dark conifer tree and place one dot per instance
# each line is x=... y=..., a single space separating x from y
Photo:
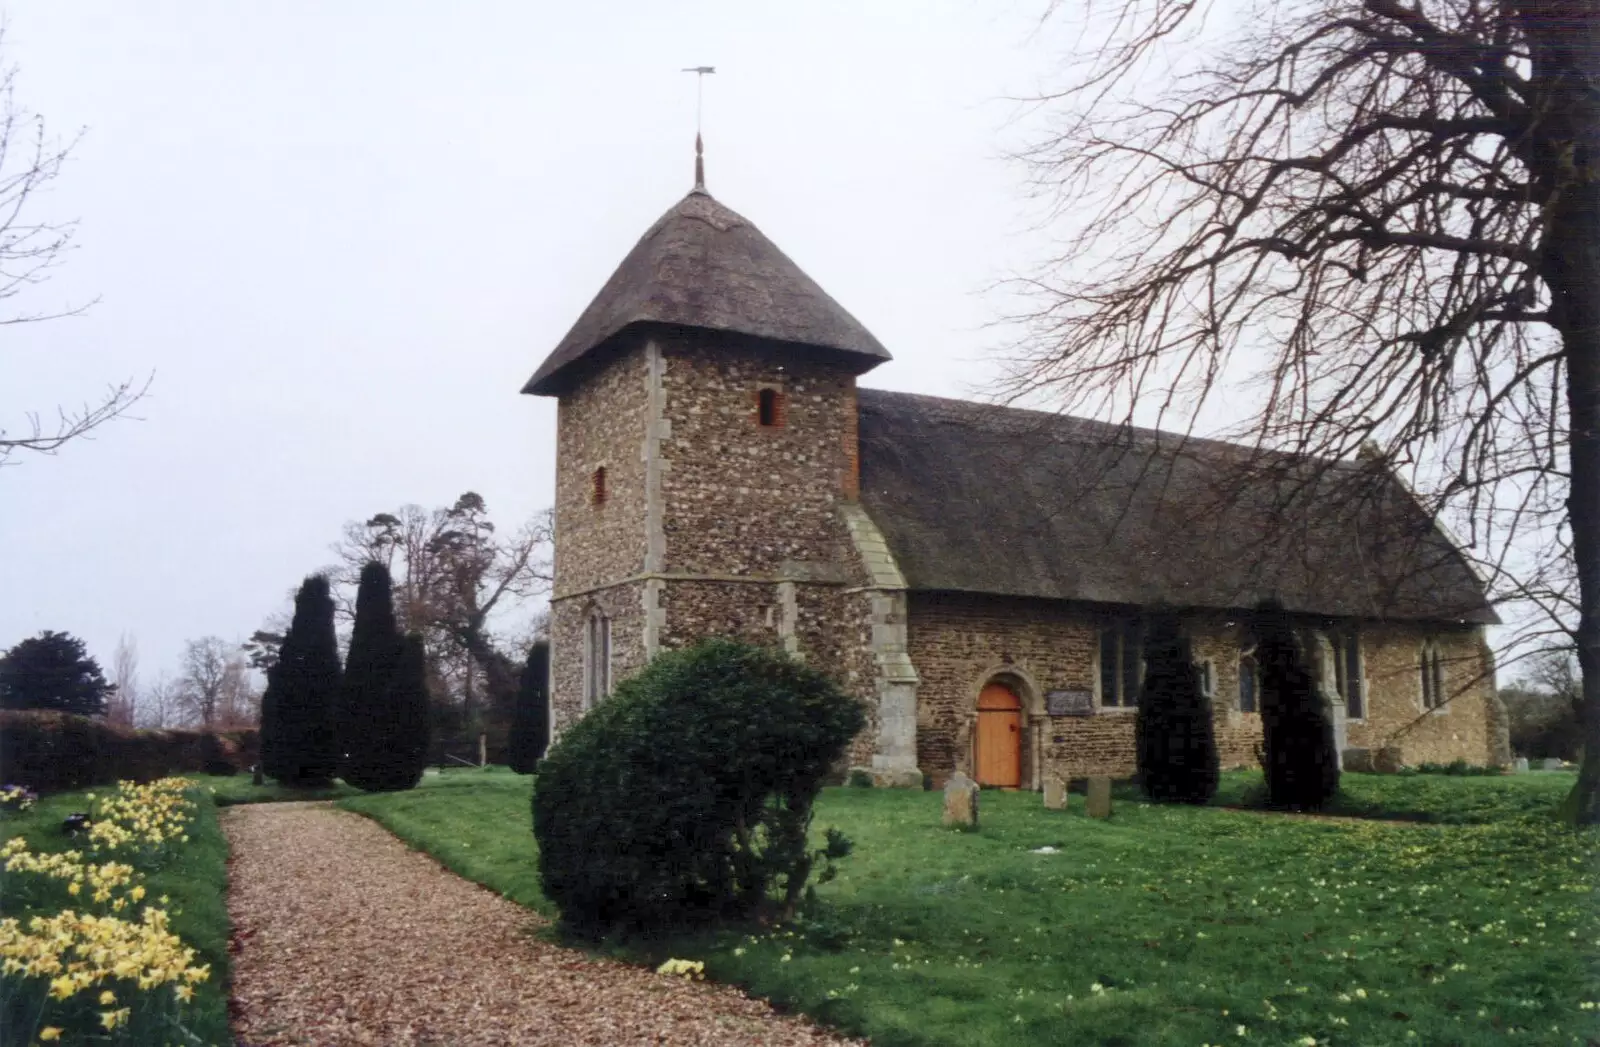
x=304 y=691
x=366 y=701
x=530 y=722
x=1175 y=740
x=411 y=716
x=1299 y=755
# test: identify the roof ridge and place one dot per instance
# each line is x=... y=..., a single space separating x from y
x=1163 y=439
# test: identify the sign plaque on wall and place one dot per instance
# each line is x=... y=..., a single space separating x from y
x=1069 y=703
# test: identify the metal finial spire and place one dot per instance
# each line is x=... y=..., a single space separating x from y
x=700 y=72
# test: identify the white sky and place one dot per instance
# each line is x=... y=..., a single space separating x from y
x=343 y=235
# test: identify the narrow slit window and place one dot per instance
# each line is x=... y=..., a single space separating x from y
x=769 y=408
x=599 y=494
x=1247 y=683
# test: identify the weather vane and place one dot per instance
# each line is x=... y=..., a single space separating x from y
x=699 y=72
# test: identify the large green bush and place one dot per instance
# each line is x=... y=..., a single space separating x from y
x=685 y=797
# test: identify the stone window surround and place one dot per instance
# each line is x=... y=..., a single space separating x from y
x=1338 y=635
x=1434 y=670
x=1247 y=667
x=1116 y=622
x=596 y=671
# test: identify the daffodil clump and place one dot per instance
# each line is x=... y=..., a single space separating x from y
x=111 y=884
x=17 y=798
x=692 y=970
x=105 y=968
x=146 y=819
x=88 y=973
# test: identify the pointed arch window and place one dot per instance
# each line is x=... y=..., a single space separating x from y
x=596 y=658
x=1430 y=669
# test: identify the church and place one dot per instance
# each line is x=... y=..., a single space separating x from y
x=976 y=575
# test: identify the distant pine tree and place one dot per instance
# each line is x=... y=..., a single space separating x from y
x=1299 y=755
x=366 y=727
x=299 y=747
x=1175 y=741
x=530 y=722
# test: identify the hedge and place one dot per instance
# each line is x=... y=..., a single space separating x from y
x=52 y=752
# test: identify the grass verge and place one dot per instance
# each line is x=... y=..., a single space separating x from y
x=1160 y=926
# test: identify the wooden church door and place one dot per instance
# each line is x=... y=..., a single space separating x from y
x=999 y=748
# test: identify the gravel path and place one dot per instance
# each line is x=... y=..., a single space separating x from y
x=342 y=935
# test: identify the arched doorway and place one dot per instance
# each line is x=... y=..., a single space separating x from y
x=999 y=737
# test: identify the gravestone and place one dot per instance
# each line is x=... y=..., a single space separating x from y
x=1358 y=760
x=1551 y=763
x=1520 y=766
x=1099 y=803
x=961 y=801
x=1055 y=794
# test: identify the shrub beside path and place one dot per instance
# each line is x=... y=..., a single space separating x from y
x=342 y=935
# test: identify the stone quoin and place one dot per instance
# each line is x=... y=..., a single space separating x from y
x=951 y=564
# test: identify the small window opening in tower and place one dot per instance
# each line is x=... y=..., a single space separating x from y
x=599 y=496
x=769 y=408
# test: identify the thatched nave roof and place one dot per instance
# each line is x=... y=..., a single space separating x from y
x=704 y=266
x=985 y=499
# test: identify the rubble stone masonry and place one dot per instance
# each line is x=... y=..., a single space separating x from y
x=959 y=642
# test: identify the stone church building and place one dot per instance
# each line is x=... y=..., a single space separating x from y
x=977 y=575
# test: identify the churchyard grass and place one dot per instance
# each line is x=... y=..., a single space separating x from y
x=236 y=788
x=1159 y=926
x=189 y=883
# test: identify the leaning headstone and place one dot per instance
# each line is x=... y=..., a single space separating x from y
x=1055 y=794
x=1520 y=765
x=1099 y=802
x=1551 y=763
x=961 y=801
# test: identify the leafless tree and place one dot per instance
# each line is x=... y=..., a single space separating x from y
x=1362 y=222
x=124 y=704
x=30 y=159
x=160 y=704
x=205 y=678
x=238 y=700
x=453 y=573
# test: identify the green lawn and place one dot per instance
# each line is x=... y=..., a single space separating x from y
x=1193 y=923
x=194 y=879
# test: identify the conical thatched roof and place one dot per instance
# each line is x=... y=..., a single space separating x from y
x=703 y=265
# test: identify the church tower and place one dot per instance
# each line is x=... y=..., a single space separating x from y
x=706 y=471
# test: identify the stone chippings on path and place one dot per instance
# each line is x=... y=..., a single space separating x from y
x=342 y=935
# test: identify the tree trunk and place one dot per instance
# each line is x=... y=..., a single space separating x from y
x=1564 y=37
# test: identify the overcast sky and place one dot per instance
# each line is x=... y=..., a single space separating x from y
x=342 y=236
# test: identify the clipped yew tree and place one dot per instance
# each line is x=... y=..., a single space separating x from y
x=686 y=796
x=1299 y=756
x=530 y=720
x=299 y=746
x=367 y=721
x=1175 y=740
x=406 y=729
